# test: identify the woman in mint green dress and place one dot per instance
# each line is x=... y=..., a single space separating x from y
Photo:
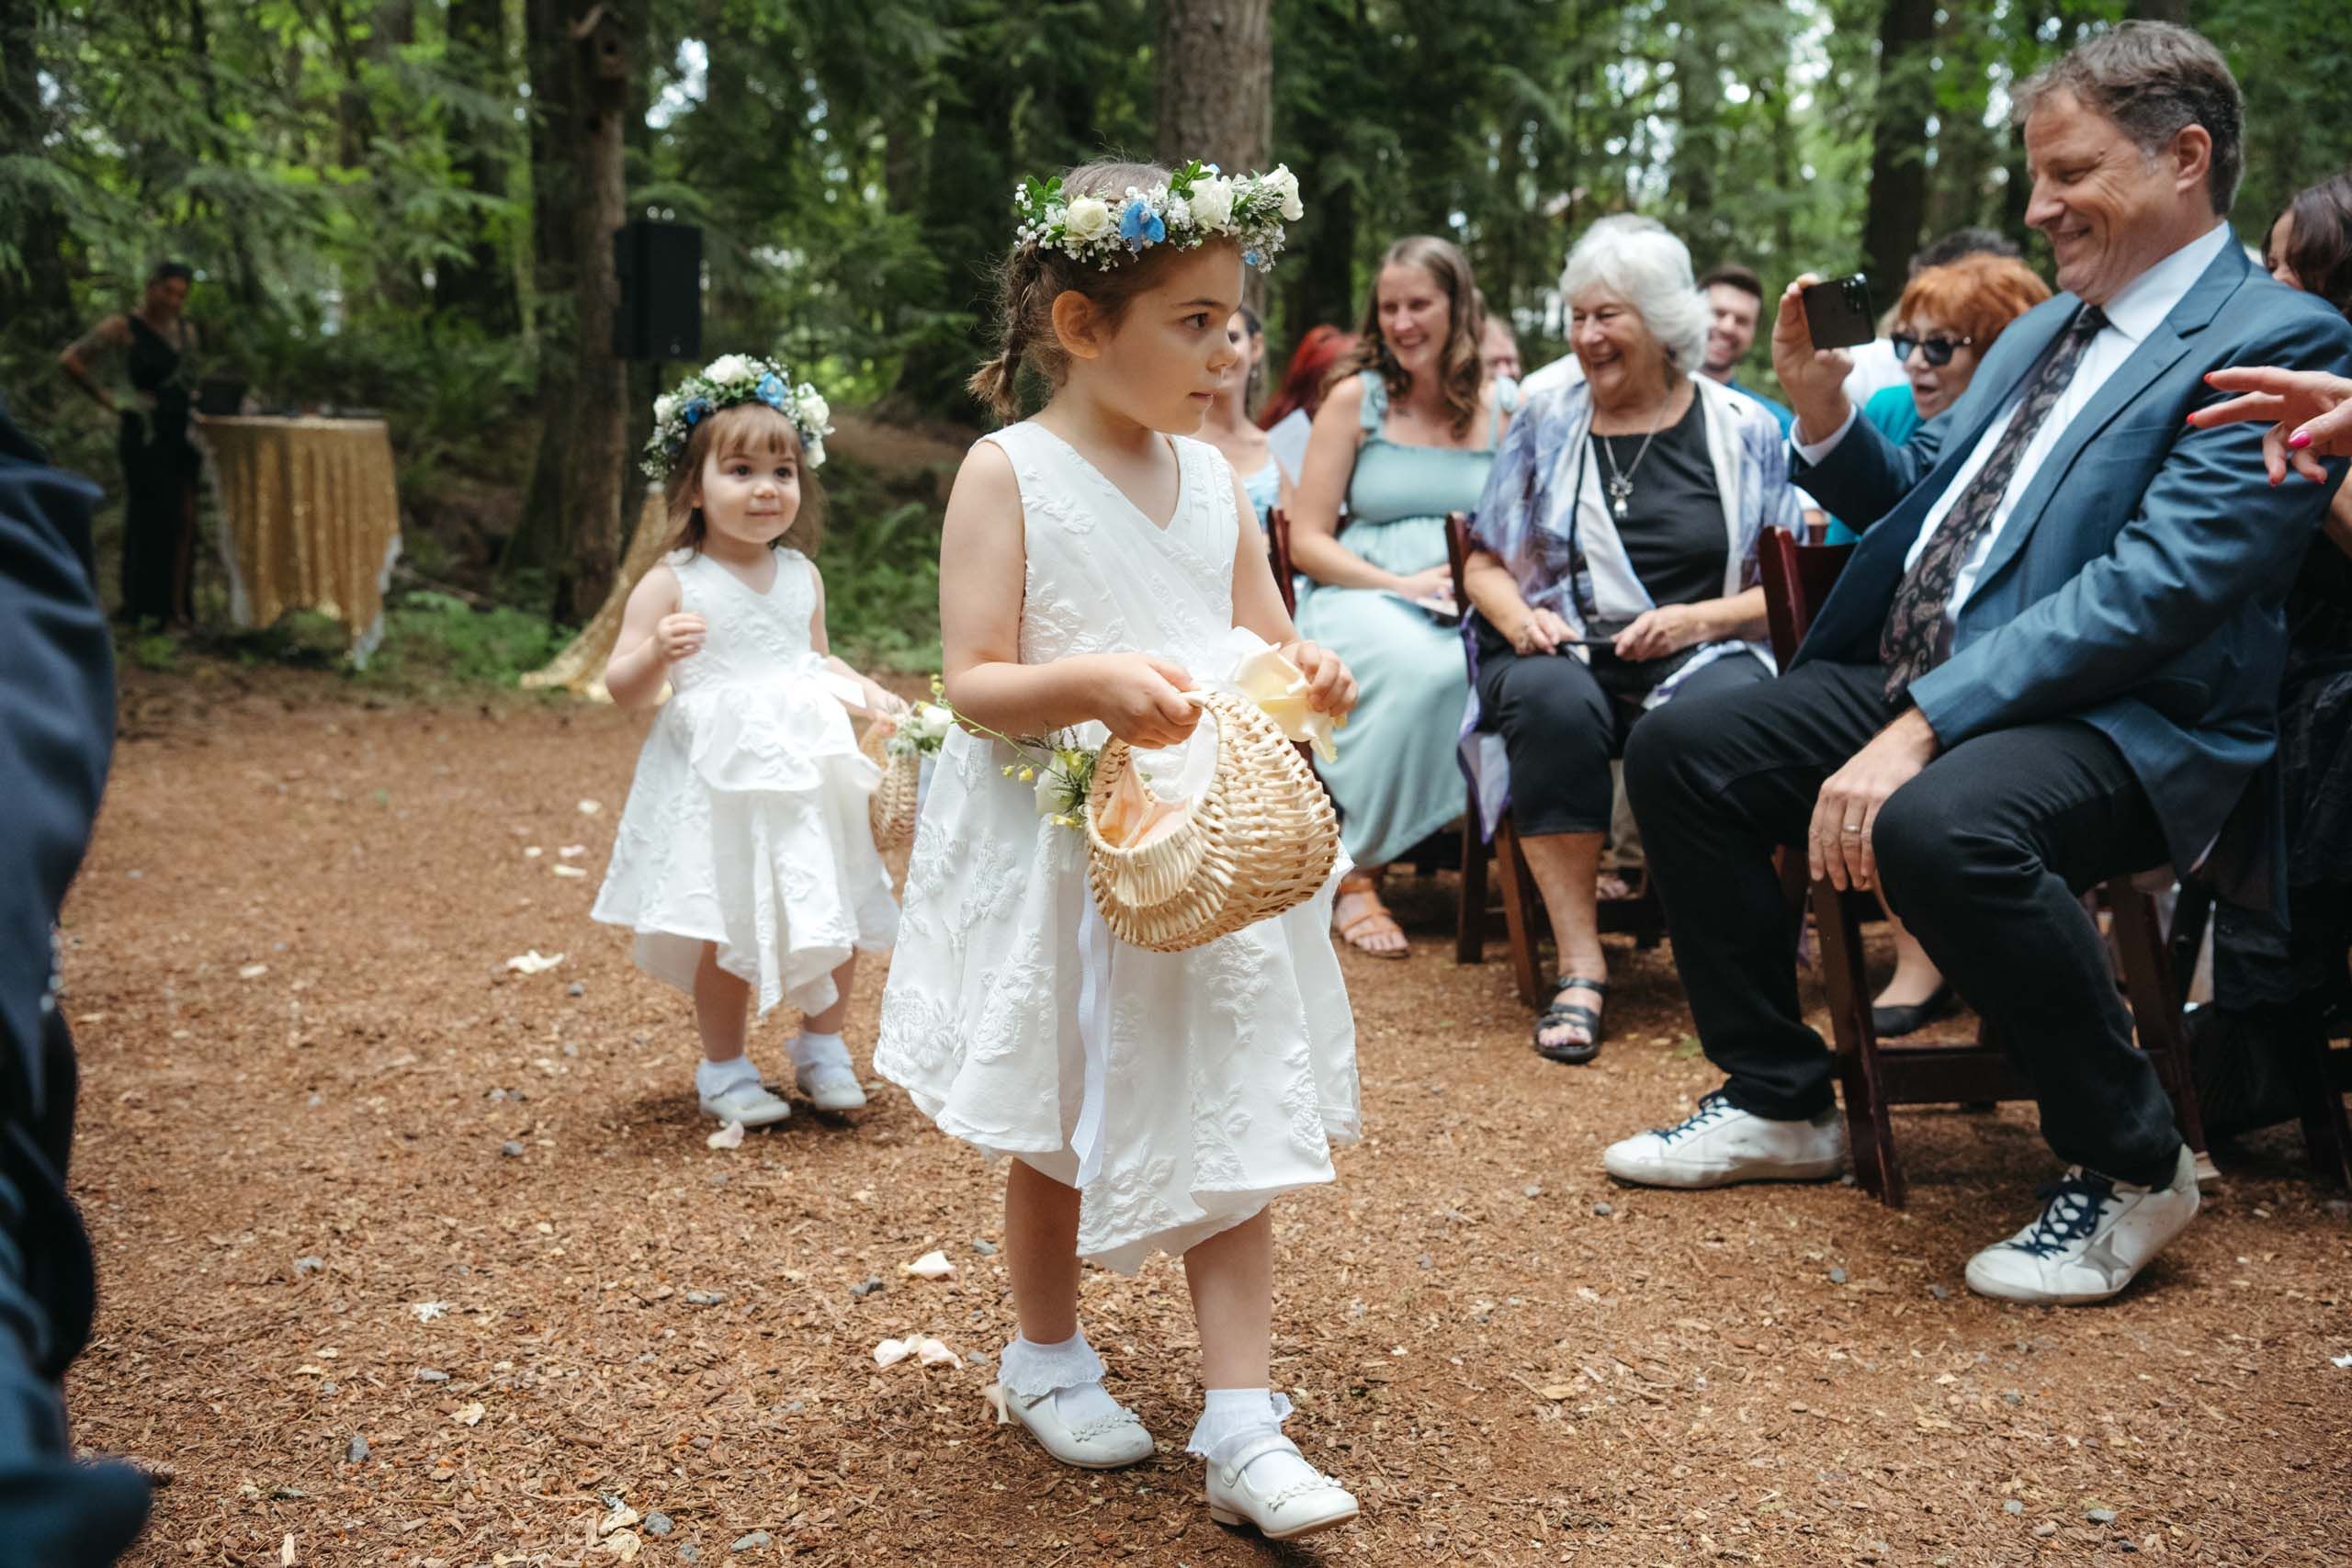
x=1406 y=435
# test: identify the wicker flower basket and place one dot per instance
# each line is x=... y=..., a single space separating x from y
x=1261 y=840
x=891 y=812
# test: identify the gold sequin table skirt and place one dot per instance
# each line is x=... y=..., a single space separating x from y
x=311 y=519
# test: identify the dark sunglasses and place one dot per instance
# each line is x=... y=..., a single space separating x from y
x=1939 y=350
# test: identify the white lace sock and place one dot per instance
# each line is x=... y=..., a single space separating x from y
x=714 y=1079
x=1231 y=1417
x=819 y=1050
x=1071 y=1371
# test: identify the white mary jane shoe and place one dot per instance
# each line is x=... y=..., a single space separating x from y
x=748 y=1101
x=1300 y=1508
x=830 y=1086
x=1105 y=1442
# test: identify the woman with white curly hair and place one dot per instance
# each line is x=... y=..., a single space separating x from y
x=1613 y=567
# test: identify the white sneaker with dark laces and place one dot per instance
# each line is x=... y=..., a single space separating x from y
x=1719 y=1143
x=2093 y=1235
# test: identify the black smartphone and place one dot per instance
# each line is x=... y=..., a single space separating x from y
x=1839 y=312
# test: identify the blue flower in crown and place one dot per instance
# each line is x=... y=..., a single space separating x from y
x=1140 y=226
x=771 y=391
x=697 y=410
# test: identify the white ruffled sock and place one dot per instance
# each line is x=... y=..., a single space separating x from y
x=819 y=1051
x=714 y=1079
x=1069 y=1372
x=1231 y=1417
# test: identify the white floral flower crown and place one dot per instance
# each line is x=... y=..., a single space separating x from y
x=730 y=380
x=1196 y=205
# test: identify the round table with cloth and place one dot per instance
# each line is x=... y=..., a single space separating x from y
x=311 y=519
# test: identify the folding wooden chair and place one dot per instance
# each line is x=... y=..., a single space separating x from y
x=1524 y=918
x=1278 y=557
x=1876 y=1076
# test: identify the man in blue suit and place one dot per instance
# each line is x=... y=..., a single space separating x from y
x=56 y=730
x=2054 y=659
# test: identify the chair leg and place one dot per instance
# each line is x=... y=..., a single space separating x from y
x=2156 y=1013
x=1519 y=921
x=2327 y=1131
x=1870 y=1130
x=1470 y=918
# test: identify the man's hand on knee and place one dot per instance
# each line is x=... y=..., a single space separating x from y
x=1837 y=845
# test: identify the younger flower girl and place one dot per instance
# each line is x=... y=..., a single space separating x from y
x=745 y=860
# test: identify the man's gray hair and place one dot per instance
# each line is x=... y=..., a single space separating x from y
x=1640 y=261
x=2153 y=79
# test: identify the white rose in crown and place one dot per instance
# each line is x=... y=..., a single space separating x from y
x=665 y=408
x=1284 y=184
x=1085 y=218
x=815 y=413
x=1212 y=202
x=729 y=367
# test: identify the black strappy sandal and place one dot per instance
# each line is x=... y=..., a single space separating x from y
x=1574 y=1052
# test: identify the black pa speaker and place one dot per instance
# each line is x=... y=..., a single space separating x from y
x=661 y=273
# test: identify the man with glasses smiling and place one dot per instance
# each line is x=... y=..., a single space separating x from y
x=2054 y=659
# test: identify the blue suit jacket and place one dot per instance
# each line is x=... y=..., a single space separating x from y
x=2138 y=584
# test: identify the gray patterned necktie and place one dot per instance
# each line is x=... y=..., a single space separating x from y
x=1912 y=642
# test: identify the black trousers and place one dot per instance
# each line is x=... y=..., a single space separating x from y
x=1983 y=855
x=1560 y=729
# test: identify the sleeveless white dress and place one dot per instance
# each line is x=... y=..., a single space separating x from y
x=1229 y=1071
x=746 y=823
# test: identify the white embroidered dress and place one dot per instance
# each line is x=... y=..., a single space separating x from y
x=746 y=823
x=1229 y=1070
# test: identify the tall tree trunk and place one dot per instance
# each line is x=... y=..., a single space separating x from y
x=37 y=303
x=245 y=279
x=599 y=412
x=481 y=284
x=1698 y=144
x=1215 y=66
x=1898 y=196
x=971 y=129
x=541 y=532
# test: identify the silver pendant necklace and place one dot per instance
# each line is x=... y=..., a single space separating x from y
x=1620 y=481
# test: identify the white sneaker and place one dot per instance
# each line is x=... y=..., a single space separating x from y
x=746 y=1101
x=830 y=1086
x=1102 y=1442
x=2093 y=1237
x=1300 y=1507
x=1719 y=1143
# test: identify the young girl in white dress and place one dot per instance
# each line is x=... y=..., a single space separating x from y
x=1094 y=565
x=744 y=862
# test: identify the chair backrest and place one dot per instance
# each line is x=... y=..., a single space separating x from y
x=1457 y=552
x=1797 y=579
x=1278 y=557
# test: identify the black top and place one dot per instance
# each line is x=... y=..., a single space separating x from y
x=1673 y=526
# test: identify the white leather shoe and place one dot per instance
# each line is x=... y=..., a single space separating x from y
x=830 y=1086
x=1719 y=1143
x=2093 y=1237
x=1299 y=1508
x=1105 y=1442
x=746 y=1101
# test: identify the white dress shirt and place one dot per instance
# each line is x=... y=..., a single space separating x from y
x=2137 y=309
